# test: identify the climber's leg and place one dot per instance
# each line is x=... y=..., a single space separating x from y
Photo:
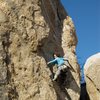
x=64 y=67
x=57 y=73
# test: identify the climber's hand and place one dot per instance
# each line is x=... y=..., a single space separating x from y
x=47 y=63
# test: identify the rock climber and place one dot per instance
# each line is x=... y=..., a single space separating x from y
x=60 y=61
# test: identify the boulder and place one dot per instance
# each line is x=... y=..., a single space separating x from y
x=92 y=73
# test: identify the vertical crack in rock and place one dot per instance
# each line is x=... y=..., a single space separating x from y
x=4 y=59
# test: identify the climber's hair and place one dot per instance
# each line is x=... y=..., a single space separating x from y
x=57 y=54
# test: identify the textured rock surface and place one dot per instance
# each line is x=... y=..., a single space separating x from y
x=30 y=31
x=92 y=76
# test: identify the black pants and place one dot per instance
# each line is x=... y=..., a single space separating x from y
x=84 y=95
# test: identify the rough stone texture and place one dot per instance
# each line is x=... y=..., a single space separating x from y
x=92 y=76
x=30 y=31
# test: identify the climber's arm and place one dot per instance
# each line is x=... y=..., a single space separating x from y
x=52 y=61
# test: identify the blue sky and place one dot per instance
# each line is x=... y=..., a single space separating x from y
x=86 y=17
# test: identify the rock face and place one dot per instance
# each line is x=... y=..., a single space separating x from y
x=92 y=76
x=30 y=32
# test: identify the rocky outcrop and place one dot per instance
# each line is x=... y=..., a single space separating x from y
x=92 y=73
x=30 y=31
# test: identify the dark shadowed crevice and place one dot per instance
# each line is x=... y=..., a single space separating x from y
x=64 y=82
x=84 y=95
x=55 y=39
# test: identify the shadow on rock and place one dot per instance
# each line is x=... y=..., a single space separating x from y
x=65 y=81
x=84 y=95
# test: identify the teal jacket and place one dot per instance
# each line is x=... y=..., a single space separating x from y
x=59 y=61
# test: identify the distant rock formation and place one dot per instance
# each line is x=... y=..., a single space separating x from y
x=92 y=76
x=30 y=32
